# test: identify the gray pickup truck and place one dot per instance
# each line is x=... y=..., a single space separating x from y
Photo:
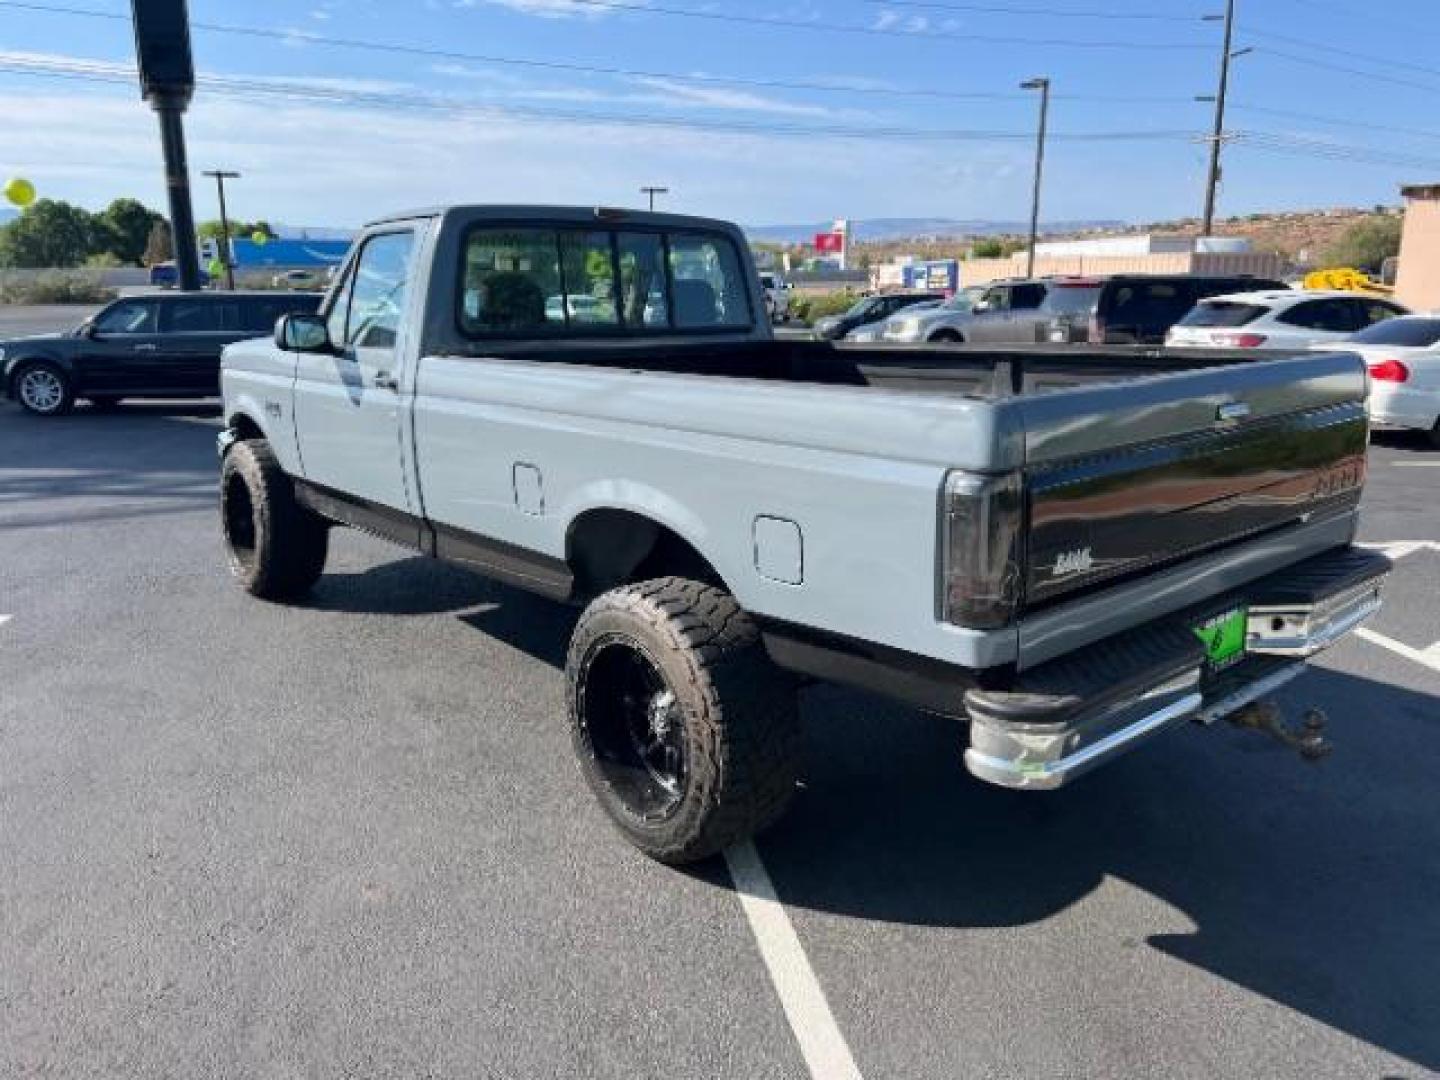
x=1069 y=551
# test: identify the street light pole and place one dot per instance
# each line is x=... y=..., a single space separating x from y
x=221 y=176
x=653 y=191
x=1212 y=179
x=1043 y=85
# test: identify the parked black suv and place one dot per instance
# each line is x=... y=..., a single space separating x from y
x=1132 y=309
x=142 y=346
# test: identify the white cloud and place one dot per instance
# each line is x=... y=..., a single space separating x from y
x=544 y=9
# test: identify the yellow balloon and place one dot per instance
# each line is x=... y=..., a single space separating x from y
x=20 y=191
x=260 y=237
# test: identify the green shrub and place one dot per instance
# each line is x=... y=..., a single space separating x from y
x=56 y=288
x=809 y=308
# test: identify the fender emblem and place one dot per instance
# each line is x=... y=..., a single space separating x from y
x=1072 y=562
x=273 y=409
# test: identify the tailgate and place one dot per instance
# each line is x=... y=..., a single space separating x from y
x=1126 y=477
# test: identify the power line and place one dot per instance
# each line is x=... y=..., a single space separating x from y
x=1368 y=125
x=1055 y=13
x=1358 y=72
x=239 y=87
x=648 y=9
x=1315 y=46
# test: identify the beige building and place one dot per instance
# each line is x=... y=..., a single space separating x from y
x=1417 y=284
x=1256 y=264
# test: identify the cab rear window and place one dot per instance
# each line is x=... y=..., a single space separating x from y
x=583 y=282
x=1222 y=313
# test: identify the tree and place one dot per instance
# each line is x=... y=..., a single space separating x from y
x=159 y=247
x=125 y=226
x=49 y=233
x=1367 y=243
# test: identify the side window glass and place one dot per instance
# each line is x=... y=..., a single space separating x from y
x=379 y=291
x=1308 y=315
x=709 y=289
x=135 y=317
x=192 y=317
x=1027 y=297
x=996 y=299
x=340 y=308
x=511 y=281
x=589 y=275
x=644 y=295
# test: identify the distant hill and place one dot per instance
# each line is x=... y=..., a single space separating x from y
x=872 y=230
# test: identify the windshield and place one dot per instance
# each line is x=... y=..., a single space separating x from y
x=1223 y=313
x=860 y=308
x=1413 y=333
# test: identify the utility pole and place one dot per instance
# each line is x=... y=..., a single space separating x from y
x=221 y=176
x=1043 y=85
x=653 y=191
x=1217 y=138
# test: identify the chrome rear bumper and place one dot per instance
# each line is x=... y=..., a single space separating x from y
x=1064 y=721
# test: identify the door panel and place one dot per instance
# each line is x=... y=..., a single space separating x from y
x=121 y=352
x=193 y=331
x=347 y=413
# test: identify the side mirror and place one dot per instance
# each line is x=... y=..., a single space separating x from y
x=981 y=306
x=301 y=332
x=86 y=329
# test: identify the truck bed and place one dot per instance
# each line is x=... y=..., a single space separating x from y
x=953 y=370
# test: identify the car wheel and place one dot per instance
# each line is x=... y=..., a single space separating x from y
x=276 y=546
x=685 y=730
x=104 y=404
x=946 y=337
x=43 y=390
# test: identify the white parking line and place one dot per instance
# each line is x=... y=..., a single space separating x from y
x=1427 y=657
x=5 y=618
x=821 y=1044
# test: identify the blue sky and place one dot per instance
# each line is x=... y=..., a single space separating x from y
x=332 y=136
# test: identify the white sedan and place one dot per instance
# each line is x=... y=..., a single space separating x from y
x=1279 y=320
x=1403 y=356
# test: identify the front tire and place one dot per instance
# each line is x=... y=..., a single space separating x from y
x=946 y=337
x=43 y=389
x=276 y=547
x=685 y=730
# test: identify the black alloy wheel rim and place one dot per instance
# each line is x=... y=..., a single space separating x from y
x=633 y=727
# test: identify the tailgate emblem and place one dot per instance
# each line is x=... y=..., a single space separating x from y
x=1072 y=562
x=1232 y=410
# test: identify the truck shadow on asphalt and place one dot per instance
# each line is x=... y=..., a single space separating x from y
x=1312 y=885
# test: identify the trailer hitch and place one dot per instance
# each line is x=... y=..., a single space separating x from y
x=1265 y=716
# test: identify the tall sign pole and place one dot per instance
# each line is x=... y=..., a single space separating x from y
x=167 y=82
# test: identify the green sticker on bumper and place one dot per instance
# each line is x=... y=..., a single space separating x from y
x=1223 y=636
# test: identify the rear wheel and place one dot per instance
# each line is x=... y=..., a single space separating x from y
x=946 y=337
x=685 y=731
x=44 y=390
x=276 y=547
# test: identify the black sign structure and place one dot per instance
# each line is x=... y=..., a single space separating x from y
x=167 y=81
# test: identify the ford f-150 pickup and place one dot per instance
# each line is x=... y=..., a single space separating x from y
x=1068 y=550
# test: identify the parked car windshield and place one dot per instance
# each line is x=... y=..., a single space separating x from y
x=1417 y=333
x=1222 y=313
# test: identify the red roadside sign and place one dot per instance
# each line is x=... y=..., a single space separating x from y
x=830 y=241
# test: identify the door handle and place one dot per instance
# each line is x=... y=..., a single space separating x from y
x=386 y=381
x=146 y=348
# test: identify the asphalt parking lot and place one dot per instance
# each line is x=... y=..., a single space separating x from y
x=346 y=839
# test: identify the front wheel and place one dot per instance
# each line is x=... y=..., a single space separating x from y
x=685 y=731
x=946 y=337
x=276 y=547
x=44 y=390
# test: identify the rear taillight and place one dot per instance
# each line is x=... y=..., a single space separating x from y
x=1238 y=341
x=1390 y=370
x=981 y=574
